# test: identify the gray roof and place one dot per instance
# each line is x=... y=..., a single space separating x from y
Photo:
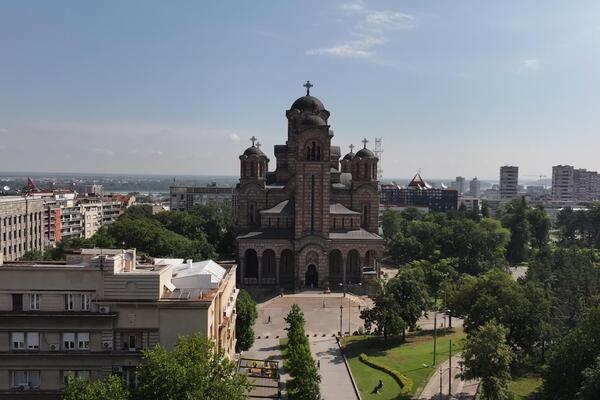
x=266 y=234
x=308 y=103
x=365 y=153
x=286 y=207
x=337 y=208
x=336 y=151
x=360 y=234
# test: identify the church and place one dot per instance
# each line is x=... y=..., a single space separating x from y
x=313 y=221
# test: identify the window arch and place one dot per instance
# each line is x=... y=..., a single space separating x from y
x=313 y=151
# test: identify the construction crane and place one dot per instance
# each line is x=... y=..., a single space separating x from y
x=540 y=178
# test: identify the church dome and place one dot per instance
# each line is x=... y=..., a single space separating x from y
x=365 y=153
x=253 y=151
x=349 y=156
x=310 y=120
x=308 y=104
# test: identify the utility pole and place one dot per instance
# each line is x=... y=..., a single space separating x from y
x=349 y=309
x=341 y=314
x=434 y=335
x=450 y=369
x=441 y=386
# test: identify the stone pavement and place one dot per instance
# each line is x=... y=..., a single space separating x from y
x=335 y=380
x=463 y=390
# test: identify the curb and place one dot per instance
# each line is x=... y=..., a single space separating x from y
x=354 y=386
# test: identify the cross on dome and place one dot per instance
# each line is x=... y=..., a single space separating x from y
x=351 y=148
x=253 y=139
x=365 y=141
x=308 y=85
x=258 y=145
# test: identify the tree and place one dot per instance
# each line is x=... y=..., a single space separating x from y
x=539 y=223
x=398 y=303
x=488 y=357
x=520 y=308
x=485 y=209
x=304 y=384
x=514 y=217
x=193 y=370
x=110 y=388
x=590 y=388
x=246 y=315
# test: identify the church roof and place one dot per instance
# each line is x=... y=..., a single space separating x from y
x=359 y=234
x=365 y=153
x=267 y=234
x=253 y=150
x=418 y=183
x=286 y=207
x=335 y=151
x=337 y=208
x=308 y=104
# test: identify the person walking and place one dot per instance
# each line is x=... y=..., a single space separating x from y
x=269 y=320
x=319 y=364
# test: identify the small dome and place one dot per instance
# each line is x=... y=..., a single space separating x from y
x=349 y=156
x=253 y=151
x=365 y=153
x=308 y=104
x=310 y=120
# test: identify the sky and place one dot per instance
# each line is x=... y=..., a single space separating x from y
x=179 y=87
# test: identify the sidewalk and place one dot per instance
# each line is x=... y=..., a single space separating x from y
x=463 y=390
x=335 y=381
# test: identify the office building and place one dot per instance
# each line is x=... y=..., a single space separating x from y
x=21 y=226
x=475 y=188
x=186 y=197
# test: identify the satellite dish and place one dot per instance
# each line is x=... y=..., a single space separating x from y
x=6 y=188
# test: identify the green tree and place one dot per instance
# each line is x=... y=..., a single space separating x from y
x=514 y=216
x=485 y=209
x=488 y=357
x=304 y=384
x=590 y=387
x=110 y=388
x=34 y=255
x=193 y=370
x=246 y=316
x=539 y=223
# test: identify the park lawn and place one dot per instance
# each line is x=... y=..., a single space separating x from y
x=406 y=357
x=523 y=386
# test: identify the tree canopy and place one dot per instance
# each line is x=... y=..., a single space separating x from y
x=245 y=307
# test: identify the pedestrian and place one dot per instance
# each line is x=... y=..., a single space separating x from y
x=319 y=364
x=269 y=320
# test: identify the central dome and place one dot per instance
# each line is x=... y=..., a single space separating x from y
x=308 y=104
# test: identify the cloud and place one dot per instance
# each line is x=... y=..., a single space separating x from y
x=234 y=137
x=155 y=152
x=531 y=64
x=370 y=31
x=103 y=151
x=353 y=48
x=3 y=130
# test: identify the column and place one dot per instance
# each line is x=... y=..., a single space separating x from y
x=241 y=270
x=344 y=260
x=259 y=268
x=277 y=265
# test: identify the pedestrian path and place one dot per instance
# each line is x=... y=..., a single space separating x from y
x=436 y=389
x=335 y=380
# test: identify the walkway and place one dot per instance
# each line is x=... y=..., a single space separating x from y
x=335 y=381
x=463 y=390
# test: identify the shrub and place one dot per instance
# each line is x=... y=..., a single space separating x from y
x=404 y=382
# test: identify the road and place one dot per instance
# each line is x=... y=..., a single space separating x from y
x=335 y=381
x=463 y=390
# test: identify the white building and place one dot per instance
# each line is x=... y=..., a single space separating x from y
x=475 y=188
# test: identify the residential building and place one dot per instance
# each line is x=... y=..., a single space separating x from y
x=21 y=226
x=563 y=182
x=459 y=184
x=509 y=182
x=475 y=188
x=185 y=197
x=420 y=194
x=93 y=314
x=313 y=222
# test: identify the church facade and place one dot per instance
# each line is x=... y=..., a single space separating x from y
x=313 y=221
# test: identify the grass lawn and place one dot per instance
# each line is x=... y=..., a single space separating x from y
x=525 y=384
x=406 y=357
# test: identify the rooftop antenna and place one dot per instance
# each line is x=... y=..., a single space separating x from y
x=378 y=151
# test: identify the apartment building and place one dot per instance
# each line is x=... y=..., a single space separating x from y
x=185 y=197
x=21 y=226
x=93 y=314
x=509 y=182
x=574 y=184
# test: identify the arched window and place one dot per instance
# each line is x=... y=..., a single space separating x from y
x=313 y=152
x=252 y=213
x=365 y=216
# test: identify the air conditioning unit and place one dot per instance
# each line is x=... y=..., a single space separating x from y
x=117 y=369
x=107 y=345
x=54 y=347
x=104 y=309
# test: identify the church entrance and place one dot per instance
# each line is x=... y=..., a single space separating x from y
x=311 y=278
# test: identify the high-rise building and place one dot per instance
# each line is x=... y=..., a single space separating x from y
x=21 y=226
x=574 y=184
x=475 y=188
x=460 y=185
x=509 y=182
x=94 y=314
x=562 y=182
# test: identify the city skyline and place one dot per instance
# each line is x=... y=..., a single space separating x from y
x=104 y=95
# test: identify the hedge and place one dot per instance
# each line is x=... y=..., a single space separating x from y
x=403 y=381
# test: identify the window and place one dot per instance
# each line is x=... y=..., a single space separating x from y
x=83 y=341
x=69 y=301
x=18 y=341
x=85 y=302
x=33 y=340
x=131 y=342
x=69 y=341
x=34 y=301
x=25 y=379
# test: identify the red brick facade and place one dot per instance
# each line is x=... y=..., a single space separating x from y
x=308 y=223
